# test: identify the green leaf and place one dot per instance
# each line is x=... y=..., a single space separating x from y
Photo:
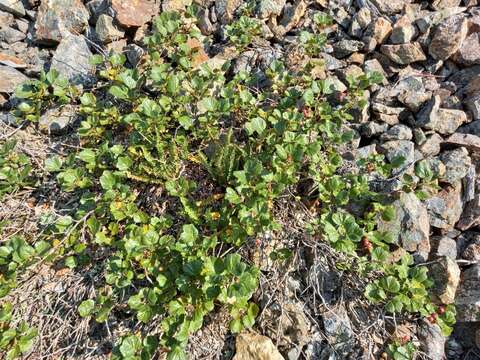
x=173 y=84
x=124 y=163
x=86 y=307
x=96 y=59
x=53 y=164
x=390 y=284
x=257 y=125
x=388 y=214
x=177 y=353
x=107 y=180
x=88 y=156
x=236 y=326
x=130 y=346
x=118 y=92
x=189 y=234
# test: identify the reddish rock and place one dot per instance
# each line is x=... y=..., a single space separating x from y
x=134 y=13
x=12 y=61
x=404 y=53
x=10 y=79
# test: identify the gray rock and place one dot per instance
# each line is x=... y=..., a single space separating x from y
x=268 y=8
x=443 y=121
x=432 y=342
x=446 y=207
x=431 y=146
x=468 y=183
x=398 y=132
x=373 y=65
x=58 y=18
x=10 y=78
x=472 y=251
x=71 y=59
x=97 y=8
x=469 y=141
x=225 y=9
x=204 y=23
x=338 y=329
x=134 y=53
x=106 y=31
x=404 y=54
x=419 y=136
x=325 y=282
x=56 y=121
x=457 y=163
x=14 y=7
x=388 y=7
x=442 y=4
x=400 y=148
x=473 y=104
x=366 y=151
x=448 y=37
x=471 y=215
x=443 y=246
x=469 y=52
x=411 y=227
x=467 y=302
x=445 y=275
x=11 y=35
x=332 y=63
x=372 y=128
x=403 y=34
x=345 y=47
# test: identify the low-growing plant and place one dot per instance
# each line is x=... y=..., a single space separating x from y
x=15 y=168
x=173 y=124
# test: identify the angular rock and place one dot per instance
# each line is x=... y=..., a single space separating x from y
x=6 y=19
x=443 y=121
x=443 y=246
x=343 y=48
x=57 y=18
x=400 y=148
x=472 y=251
x=380 y=30
x=388 y=7
x=57 y=120
x=398 y=132
x=12 y=61
x=448 y=37
x=431 y=146
x=473 y=104
x=134 y=13
x=106 y=31
x=471 y=215
x=11 y=35
x=469 y=141
x=411 y=227
x=175 y=5
x=446 y=207
x=251 y=346
x=445 y=275
x=71 y=59
x=10 y=78
x=469 y=52
x=14 y=7
x=268 y=8
x=403 y=34
x=338 y=329
x=432 y=341
x=467 y=302
x=372 y=128
x=442 y=4
x=292 y=14
x=457 y=163
x=404 y=54
x=225 y=9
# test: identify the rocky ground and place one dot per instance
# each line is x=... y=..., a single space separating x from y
x=427 y=109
